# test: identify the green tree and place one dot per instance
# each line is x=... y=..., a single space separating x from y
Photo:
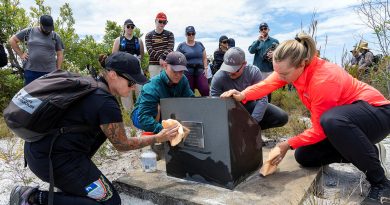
x=12 y=20
x=375 y=15
x=88 y=53
x=38 y=11
x=65 y=28
x=112 y=31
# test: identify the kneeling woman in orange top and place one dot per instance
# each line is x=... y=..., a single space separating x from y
x=348 y=116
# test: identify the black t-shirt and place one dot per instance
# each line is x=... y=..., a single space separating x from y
x=95 y=109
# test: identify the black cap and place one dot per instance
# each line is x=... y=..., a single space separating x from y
x=46 y=22
x=190 y=29
x=263 y=25
x=177 y=61
x=222 y=38
x=129 y=21
x=231 y=42
x=127 y=65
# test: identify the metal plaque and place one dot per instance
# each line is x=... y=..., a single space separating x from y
x=196 y=137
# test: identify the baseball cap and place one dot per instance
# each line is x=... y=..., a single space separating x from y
x=46 y=22
x=223 y=38
x=127 y=65
x=190 y=29
x=233 y=59
x=161 y=16
x=177 y=61
x=263 y=25
x=128 y=21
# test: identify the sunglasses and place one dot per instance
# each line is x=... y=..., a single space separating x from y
x=238 y=69
x=162 y=22
x=263 y=29
x=190 y=34
x=224 y=41
x=130 y=26
x=130 y=82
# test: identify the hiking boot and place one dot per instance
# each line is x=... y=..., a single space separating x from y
x=379 y=194
x=20 y=194
x=382 y=156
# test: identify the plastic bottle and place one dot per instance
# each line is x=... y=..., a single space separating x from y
x=149 y=161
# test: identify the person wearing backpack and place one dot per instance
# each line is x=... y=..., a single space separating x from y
x=44 y=49
x=130 y=44
x=366 y=58
x=75 y=174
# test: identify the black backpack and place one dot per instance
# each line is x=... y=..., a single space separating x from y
x=3 y=56
x=377 y=58
x=36 y=108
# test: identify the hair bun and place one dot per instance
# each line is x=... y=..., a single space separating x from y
x=102 y=60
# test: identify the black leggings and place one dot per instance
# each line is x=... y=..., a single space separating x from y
x=351 y=131
x=73 y=173
x=273 y=115
x=63 y=198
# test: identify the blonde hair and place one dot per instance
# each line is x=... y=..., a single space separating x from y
x=302 y=48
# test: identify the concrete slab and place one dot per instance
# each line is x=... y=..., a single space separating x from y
x=289 y=185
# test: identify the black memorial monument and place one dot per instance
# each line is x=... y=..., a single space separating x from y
x=223 y=147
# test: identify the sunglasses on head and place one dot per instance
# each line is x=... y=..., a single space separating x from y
x=162 y=22
x=263 y=28
x=190 y=34
x=130 y=82
x=130 y=26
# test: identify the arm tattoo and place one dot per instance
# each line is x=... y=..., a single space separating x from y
x=115 y=132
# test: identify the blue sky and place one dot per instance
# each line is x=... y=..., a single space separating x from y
x=338 y=21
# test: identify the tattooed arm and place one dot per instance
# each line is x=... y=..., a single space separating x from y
x=115 y=132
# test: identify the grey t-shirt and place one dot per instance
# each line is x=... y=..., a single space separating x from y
x=251 y=75
x=42 y=49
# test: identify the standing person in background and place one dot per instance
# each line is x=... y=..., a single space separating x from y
x=219 y=53
x=263 y=55
x=195 y=53
x=231 y=43
x=44 y=49
x=130 y=44
x=366 y=58
x=355 y=56
x=348 y=116
x=159 y=43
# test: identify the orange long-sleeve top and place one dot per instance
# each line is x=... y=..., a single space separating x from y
x=321 y=86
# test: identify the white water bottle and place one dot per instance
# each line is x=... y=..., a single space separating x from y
x=149 y=161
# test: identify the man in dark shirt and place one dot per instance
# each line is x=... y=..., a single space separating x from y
x=75 y=174
x=159 y=43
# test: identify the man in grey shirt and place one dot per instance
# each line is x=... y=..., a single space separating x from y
x=236 y=74
x=44 y=49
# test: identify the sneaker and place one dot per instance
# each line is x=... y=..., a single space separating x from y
x=20 y=194
x=382 y=156
x=379 y=194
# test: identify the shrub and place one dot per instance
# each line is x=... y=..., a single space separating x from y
x=9 y=84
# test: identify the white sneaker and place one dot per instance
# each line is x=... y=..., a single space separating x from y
x=382 y=156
